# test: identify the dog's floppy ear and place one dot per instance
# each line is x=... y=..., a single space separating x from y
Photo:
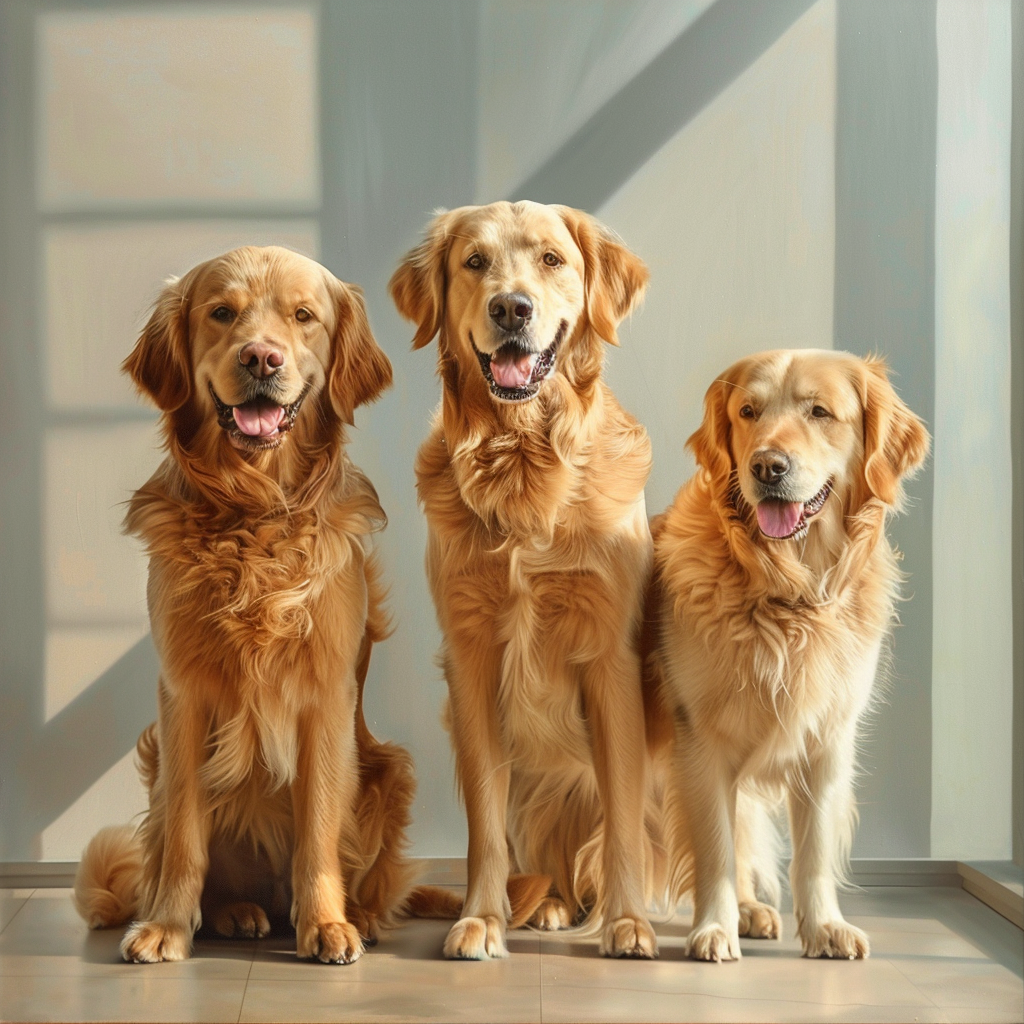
x=710 y=441
x=615 y=278
x=418 y=285
x=160 y=364
x=360 y=371
x=896 y=442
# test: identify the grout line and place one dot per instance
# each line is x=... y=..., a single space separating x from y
x=914 y=984
x=245 y=989
x=24 y=902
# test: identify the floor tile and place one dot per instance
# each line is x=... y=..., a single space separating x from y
x=47 y=937
x=10 y=904
x=362 y=1001
x=142 y=998
x=571 y=1004
x=954 y=983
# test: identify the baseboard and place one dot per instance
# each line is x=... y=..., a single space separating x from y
x=1000 y=884
x=997 y=884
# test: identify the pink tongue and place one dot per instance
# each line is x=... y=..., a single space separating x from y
x=779 y=518
x=513 y=373
x=258 y=419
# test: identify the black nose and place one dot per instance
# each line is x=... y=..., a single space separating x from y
x=510 y=311
x=769 y=465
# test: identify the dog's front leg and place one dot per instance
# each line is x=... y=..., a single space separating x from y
x=705 y=785
x=614 y=707
x=323 y=794
x=173 y=914
x=821 y=814
x=483 y=772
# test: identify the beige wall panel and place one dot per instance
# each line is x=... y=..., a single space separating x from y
x=534 y=97
x=77 y=656
x=735 y=217
x=114 y=799
x=94 y=575
x=178 y=105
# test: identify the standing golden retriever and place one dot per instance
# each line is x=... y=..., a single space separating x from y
x=267 y=792
x=538 y=554
x=776 y=588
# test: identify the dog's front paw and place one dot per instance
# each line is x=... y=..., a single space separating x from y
x=713 y=943
x=629 y=937
x=241 y=921
x=760 y=921
x=476 y=938
x=365 y=923
x=551 y=916
x=334 y=942
x=149 y=942
x=835 y=940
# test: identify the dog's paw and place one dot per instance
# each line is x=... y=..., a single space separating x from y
x=365 y=923
x=551 y=916
x=836 y=940
x=334 y=942
x=476 y=938
x=241 y=921
x=713 y=943
x=629 y=937
x=760 y=921
x=149 y=942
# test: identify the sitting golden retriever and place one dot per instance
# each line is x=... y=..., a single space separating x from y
x=538 y=555
x=267 y=793
x=775 y=591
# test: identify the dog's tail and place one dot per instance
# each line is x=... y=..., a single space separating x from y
x=525 y=895
x=108 y=883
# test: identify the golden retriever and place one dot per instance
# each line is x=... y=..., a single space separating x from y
x=267 y=793
x=775 y=591
x=538 y=554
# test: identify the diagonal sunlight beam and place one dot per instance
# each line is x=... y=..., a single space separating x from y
x=92 y=733
x=639 y=119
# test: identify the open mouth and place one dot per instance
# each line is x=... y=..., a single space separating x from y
x=259 y=424
x=515 y=374
x=787 y=520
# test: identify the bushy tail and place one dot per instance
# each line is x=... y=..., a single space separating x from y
x=108 y=883
x=525 y=894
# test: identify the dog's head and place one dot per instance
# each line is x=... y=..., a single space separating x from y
x=251 y=340
x=515 y=288
x=789 y=429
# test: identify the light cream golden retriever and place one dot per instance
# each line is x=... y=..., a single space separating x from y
x=538 y=555
x=775 y=591
x=267 y=793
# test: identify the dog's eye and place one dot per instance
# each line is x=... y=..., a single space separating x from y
x=302 y=314
x=747 y=412
x=475 y=262
x=225 y=314
x=552 y=259
x=819 y=412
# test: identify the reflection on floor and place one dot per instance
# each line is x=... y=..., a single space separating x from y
x=938 y=954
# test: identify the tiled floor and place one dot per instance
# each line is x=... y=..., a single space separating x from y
x=938 y=954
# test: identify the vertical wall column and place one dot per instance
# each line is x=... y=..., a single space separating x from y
x=886 y=68
x=398 y=93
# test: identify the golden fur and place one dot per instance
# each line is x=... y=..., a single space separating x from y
x=768 y=648
x=538 y=554
x=267 y=793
